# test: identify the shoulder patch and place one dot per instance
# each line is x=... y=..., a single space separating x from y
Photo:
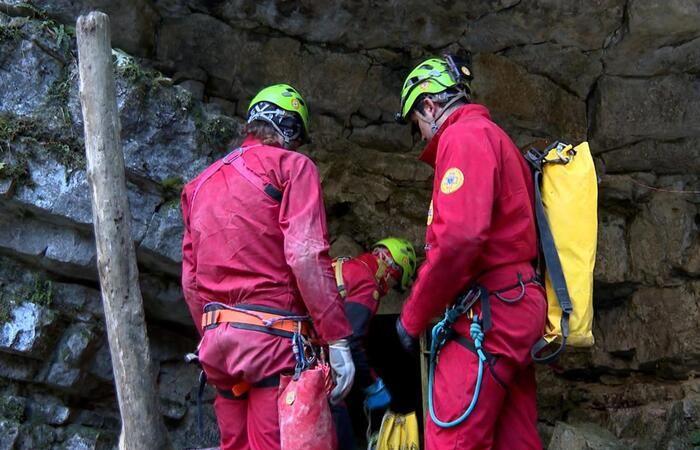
x=451 y=181
x=430 y=213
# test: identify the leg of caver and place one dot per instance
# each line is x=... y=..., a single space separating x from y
x=231 y=417
x=455 y=378
x=516 y=428
x=263 y=420
x=343 y=427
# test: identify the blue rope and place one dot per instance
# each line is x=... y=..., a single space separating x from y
x=439 y=336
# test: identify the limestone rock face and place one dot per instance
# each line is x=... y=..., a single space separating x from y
x=621 y=74
x=582 y=437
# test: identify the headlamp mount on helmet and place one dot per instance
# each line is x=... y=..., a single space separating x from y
x=454 y=76
x=459 y=68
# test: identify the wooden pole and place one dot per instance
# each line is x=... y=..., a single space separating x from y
x=134 y=376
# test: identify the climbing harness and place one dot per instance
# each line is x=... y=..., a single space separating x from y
x=379 y=275
x=257 y=318
x=443 y=332
x=339 y=280
x=235 y=160
x=304 y=353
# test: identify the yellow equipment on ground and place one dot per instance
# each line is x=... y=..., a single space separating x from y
x=398 y=432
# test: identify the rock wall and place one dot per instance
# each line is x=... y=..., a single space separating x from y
x=621 y=73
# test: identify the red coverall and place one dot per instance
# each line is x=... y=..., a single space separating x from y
x=481 y=229
x=241 y=246
x=361 y=305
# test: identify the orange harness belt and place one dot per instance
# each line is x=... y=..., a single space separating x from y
x=268 y=320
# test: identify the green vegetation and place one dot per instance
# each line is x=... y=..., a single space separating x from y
x=6 y=307
x=70 y=154
x=13 y=164
x=41 y=293
x=218 y=131
x=12 y=127
x=695 y=437
x=11 y=408
x=171 y=187
x=128 y=68
x=61 y=34
x=33 y=11
x=10 y=32
x=58 y=95
x=60 y=89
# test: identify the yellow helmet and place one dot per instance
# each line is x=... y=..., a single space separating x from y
x=403 y=254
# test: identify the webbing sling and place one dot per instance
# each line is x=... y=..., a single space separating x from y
x=552 y=263
x=234 y=159
x=339 y=281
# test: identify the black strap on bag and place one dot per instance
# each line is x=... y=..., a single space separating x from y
x=551 y=261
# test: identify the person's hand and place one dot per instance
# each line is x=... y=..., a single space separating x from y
x=408 y=342
x=340 y=360
x=377 y=396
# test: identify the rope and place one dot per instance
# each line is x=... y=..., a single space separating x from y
x=670 y=191
x=439 y=335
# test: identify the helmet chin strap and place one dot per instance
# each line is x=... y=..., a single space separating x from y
x=433 y=123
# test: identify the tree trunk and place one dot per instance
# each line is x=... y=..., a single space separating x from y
x=134 y=376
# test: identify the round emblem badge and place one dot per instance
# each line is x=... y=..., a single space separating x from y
x=295 y=103
x=291 y=396
x=425 y=85
x=452 y=181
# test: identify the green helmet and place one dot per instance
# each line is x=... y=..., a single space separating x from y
x=287 y=100
x=403 y=254
x=432 y=76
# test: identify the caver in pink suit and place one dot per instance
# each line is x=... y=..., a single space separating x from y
x=243 y=246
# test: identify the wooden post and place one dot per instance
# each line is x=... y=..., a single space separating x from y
x=134 y=376
x=424 y=361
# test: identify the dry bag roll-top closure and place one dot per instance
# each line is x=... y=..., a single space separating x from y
x=566 y=210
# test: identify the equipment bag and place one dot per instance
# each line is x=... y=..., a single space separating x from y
x=305 y=417
x=566 y=208
x=398 y=432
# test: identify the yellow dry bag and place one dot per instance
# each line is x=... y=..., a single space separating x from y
x=566 y=207
x=398 y=432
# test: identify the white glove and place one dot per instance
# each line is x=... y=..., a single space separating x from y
x=343 y=367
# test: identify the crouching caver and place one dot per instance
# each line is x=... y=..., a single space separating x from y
x=362 y=282
x=256 y=268
x=480 y=239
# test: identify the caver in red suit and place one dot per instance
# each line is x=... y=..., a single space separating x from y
x=244 y=247
x=364 y=292
x=481 y=229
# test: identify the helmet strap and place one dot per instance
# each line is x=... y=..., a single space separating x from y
x=461 y=94
x=434 y=127
x=386 y=268
x=270 y=114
